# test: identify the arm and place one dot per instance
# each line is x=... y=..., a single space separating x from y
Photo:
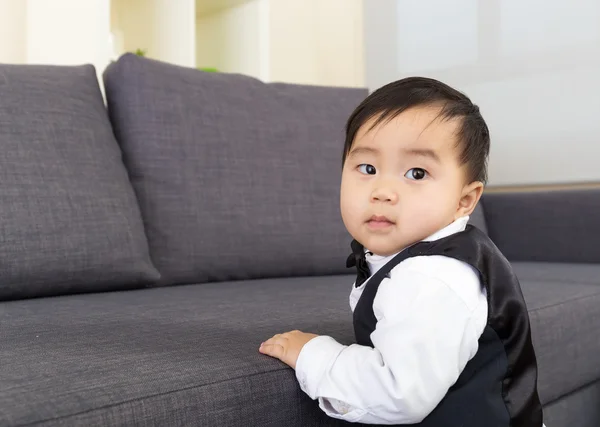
x=423 y=339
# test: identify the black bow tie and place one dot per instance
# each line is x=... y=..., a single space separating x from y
x=357 y=258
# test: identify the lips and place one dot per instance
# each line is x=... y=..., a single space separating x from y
x=380 y=218
x=379 y=221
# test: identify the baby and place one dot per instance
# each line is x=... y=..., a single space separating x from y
x=442 y=330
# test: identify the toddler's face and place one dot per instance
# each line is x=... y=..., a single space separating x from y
x=402 y=180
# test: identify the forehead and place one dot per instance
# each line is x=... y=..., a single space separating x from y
x=419 y=127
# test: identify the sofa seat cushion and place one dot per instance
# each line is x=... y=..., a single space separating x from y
x=564 y=305
x=166 y=356
x=188 y=355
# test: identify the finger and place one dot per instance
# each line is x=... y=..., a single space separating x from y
x=274 y=350
x=276 y=339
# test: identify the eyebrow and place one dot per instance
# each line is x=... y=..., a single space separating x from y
x=362 y=150
x=419 y=152
x=423 y=152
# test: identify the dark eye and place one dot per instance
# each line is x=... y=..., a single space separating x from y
x=367 y=169
x=416 y=174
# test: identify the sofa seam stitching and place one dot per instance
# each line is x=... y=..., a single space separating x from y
x=534 y=310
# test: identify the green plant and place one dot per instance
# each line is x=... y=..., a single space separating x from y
x=208 y=70
x=140 y=52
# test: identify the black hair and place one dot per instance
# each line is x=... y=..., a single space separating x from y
x=392 y=99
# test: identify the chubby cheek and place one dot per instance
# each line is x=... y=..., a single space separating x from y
x=351 y=205
x=433 y=209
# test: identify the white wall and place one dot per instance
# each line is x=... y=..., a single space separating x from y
x=13 y=41
x=531 y=65
x=61 y=32
x=165 y=29
x=68 y=32
x=132 y=24
x=229 y=39
x=297 y=41
x=317 y=42
x=174 y=39
x=340 y=47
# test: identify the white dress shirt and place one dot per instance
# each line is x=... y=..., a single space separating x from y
x=430 y=314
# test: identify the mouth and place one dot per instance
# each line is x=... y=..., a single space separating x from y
x=379 y=222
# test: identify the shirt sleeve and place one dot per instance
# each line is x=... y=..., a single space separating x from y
x=423 y=339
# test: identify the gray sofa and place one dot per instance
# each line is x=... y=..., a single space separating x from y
x=150 y=244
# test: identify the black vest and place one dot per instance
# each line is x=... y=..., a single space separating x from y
x=498 y=387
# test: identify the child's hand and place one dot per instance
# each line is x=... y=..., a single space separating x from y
x=286 y=347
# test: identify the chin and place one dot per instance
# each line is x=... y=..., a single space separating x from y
x=385 y=251
x=377 y=248
x=386 y=245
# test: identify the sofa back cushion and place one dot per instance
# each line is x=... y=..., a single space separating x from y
x=546 y=225
x=477 y=218
x=69 y=219
x=237 y=179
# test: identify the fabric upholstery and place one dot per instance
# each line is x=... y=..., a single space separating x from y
x=565 y=323
x=550 y=226
x=580 y=408
x=237 y=179
x=185 y=355
x=477 y=218
x=563 y=272
x=188 y=355
x=69 y=219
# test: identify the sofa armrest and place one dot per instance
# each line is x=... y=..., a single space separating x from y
x=554 y=226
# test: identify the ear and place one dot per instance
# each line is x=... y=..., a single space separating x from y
x=469 y=198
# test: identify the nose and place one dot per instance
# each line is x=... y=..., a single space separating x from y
x=384 y=194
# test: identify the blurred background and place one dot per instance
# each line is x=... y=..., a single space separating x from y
x=531 y=65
